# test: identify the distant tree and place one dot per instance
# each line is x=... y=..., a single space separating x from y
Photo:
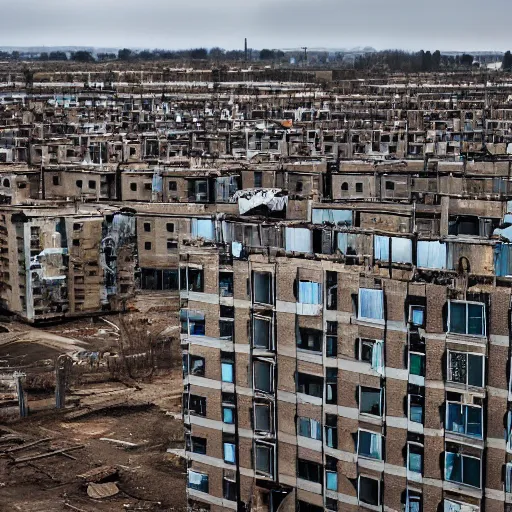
x=466 y=59
x=426 y=64
x=106 y=56
x=199 y=54
x=507 y=61
x=124 y=54
x=83 y=56
x=266 y=54
x=44 y=56
x=28 y=74
x=436 y=60
x=217 y=53
x=15 y=55
x=57 y=56
x=146 y=55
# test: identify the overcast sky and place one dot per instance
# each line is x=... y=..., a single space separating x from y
x=413 y=25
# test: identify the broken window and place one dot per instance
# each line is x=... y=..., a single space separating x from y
x=416 y=404
x=197 y=481
x=192 y=279
x=92 y=184
x=170 y=227
x=202 y=228
x=464 y=419
x=463 y=469
x=229 y=449
x=159 y=279
x=196 y=365
x=226 y=330
x=262 y=287
x=227 y=366
x=196 y=405
x=228 y=408
x=198 y=191
x=308 y=427
x=369 y=444
x=264 y=455
x=172 y=186
x=330 y=216
x=310 y=339
x=331 y=339
x=371 y=304
x=331 y=474
x=466 y=368
x=229 y=487
x=263 y=376
x=368 y=490
x=192 y=322
x=310 y=385
x=331 y=504
x=370 y=401
x=225 y=187
x=79 y=183
x=331 y=430
x=371 y=351
x=415 y=457
x=196 y=444
x=310 y=292
x=466 y=318
x=133 y=187
x=262 y=333
x=299 y=240
x=226 y=284
x=262 y=417
x=413 y=501
x=455 y=506
x=310 y=471
x=331 y=385
x=331 y=282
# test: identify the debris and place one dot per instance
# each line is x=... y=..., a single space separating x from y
x=126 y=444
x=100 y=491
x=28 y=445
x=99 y=474
x=49 y=454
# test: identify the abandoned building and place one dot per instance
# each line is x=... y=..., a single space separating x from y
x=342 y=259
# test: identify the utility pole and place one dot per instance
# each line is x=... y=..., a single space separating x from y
x=245 y=49
x=305 y=48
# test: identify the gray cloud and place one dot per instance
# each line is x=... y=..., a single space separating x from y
x=470 y=25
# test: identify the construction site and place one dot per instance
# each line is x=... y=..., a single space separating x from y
x=254 y=288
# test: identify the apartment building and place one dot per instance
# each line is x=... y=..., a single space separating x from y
x=340 y=259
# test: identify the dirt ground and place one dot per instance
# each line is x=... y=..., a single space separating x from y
x=101 y=417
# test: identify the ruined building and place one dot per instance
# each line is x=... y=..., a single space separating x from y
x=342 y=260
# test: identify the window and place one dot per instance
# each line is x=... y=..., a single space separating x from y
x=147 y=227
x=416 y=405
x=262 y=417
x=192 y=279
x=415 y=458
x=310 y=292
x=147 y=186
x=196 y=445
x=368 y=490
x=56 y=180
x=331 y=385
x=370 y=401
x=263 y=376
x=372 y=352
x=359 y=188
x=455 y=506
x=431 y=254
x=390 y=185
x=310 y=385
x=464 y=419
x=229 y=452
x=170 y=227
x=192 y=322
x=310 y=339
x=196 y=405
x=331 y=430
x=331 y=504
x=307 y=427
x=508 y=477
x=258 y=179
x=226 y=284
x=133 y=187
x=227 y=366
x=344 y=187
x=417 y=316
x=79 y=183
x=172 y=186
x=466 y=318
x=147 y=246
x=332 y=290
x=226 y=330
x=331 y=474
x=414 y=501
x=172 y=245
x=369 y=444
x=310 y=471
x=228 y=408
x=159 y=279
x=371 y=304
x=92 y=184
x=196 y=365
x=264 y=459
x=401 y=249
x=416 y=364
x=331 y=339
x=466 y=368
x=202 y=228
x=197 y=481
x=299 y=240
x=463 y=469
x=229 y=488
x=262 y=333
x=262 y=284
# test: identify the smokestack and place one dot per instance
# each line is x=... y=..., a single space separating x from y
x=245 y=49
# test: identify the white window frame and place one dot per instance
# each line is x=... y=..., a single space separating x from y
x=272 y=375
x=448 y=370
x=411 y=308
x=409 y=410
x=461 y=404
x=233 y=462
x=484 y=318
x=272 y=298
x=462 y=469
x=362 y=455
x=508 y=478
x=369 y=319
x=362 y=503
x=188 y=321
x=190 y=470
x=320 y=293
x=416 y=498
x=270 y=321
x=460 y=504
x=381 y=402
x=271 y=448
x=360 y=348
x=270 y=412
x=409 y=470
